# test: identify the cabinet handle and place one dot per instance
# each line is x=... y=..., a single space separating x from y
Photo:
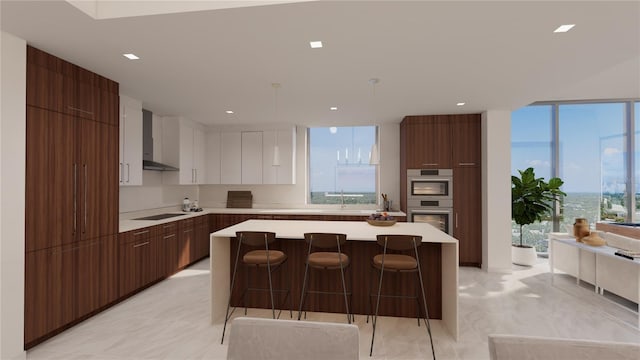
x=430 y=164
x=128 y=173
x=168 y=226
x=140 y=233
x=143 y=244
x=196 y=172
x=76 y=109
x=456 y=220
x=188 y=230
x=193 y=176
x=85 y=198
x=466 y=164
x=75 y=196
x=121 y=172
x=169 y=236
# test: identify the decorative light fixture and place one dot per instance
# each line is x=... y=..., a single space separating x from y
x=564 y=28
x=276 y=148
x=374 y=157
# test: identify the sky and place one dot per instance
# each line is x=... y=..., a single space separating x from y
x=591 y=144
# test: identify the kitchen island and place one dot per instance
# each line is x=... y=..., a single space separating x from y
x=439 y=257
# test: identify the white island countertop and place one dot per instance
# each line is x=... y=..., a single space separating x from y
x=127 y=222
x=356 y=231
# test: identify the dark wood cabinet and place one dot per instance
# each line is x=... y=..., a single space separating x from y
x=186 y=237
x=201 y=243
x=168 y=249
x=138 y=259
x=467 y=221
x=465 y=138
x=427 y=141
x=72 y=194
x=449 y=142
x=97 y=179
x=66 y=283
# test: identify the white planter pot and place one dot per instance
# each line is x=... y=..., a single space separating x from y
x=523 y=255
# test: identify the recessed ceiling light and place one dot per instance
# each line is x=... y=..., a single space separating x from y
x=333 y=108
x=460 y=103
x=315 y=44
x=564 y=28
x=131 y=56
x=229 y=111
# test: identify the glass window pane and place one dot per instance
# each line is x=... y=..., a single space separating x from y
x=636 y=113
x=531 y=144
x=592 y=162
x=339 y=165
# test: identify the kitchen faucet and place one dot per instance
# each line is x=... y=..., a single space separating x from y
x=342 y=205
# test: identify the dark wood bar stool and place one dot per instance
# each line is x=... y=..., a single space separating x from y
x=263 y=258
x=324 y=261
x=399 y=263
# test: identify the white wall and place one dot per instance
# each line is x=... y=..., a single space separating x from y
x=496 y=191
x=12 y=194
x=294 y=196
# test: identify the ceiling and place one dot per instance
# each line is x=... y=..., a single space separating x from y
x=427 y=55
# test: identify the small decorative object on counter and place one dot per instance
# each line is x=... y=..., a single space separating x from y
x=186 y=205
x=580 y=229
x=593 y=239
x=386 y=203
x=381 y=219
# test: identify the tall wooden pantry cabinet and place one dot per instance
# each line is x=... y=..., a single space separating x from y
x=449 y=142
x=71 y=194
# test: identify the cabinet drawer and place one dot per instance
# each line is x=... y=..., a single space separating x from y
x=139 y=235
x=169 y=228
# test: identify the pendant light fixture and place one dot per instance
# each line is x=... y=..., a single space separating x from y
x=276 y=148
x=374 y=158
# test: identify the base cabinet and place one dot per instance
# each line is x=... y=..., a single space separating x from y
x=138 y=259
x=168 y=249
x=66 y=283
x=186 y=237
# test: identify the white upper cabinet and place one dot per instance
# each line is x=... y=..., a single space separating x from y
x=280 y=168
x=251 y=157
x=212 y=149
x=230 y=157
x=130 y=162
x=183 y=147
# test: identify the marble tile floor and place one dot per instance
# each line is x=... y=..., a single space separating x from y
x=170 y=320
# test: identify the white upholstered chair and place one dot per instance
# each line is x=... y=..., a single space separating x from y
x=255 y=339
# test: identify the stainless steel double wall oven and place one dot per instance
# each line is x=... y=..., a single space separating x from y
x=430 y=197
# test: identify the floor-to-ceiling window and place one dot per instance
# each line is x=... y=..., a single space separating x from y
x=585 y=144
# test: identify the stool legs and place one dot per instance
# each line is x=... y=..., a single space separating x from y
x=305 y=291
x=424 y=300
x=233 y=280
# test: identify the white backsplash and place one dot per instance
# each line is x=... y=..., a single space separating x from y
x=153 y=194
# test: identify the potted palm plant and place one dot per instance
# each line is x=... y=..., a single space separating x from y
x=531 y=199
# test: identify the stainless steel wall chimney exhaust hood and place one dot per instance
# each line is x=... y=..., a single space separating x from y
x=147 y=145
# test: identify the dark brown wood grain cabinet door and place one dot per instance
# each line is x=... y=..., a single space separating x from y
x=185 y=239
x=428 y=142
x=50 y=176
x=467 y=206
x=88 y=275
x=167 y=249
x=98 y=173
x=108 y=284
x=466 y=138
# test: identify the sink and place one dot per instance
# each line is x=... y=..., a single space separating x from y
x=158 y=217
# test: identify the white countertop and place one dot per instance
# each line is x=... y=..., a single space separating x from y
x=128 y=224
x=355 y=230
